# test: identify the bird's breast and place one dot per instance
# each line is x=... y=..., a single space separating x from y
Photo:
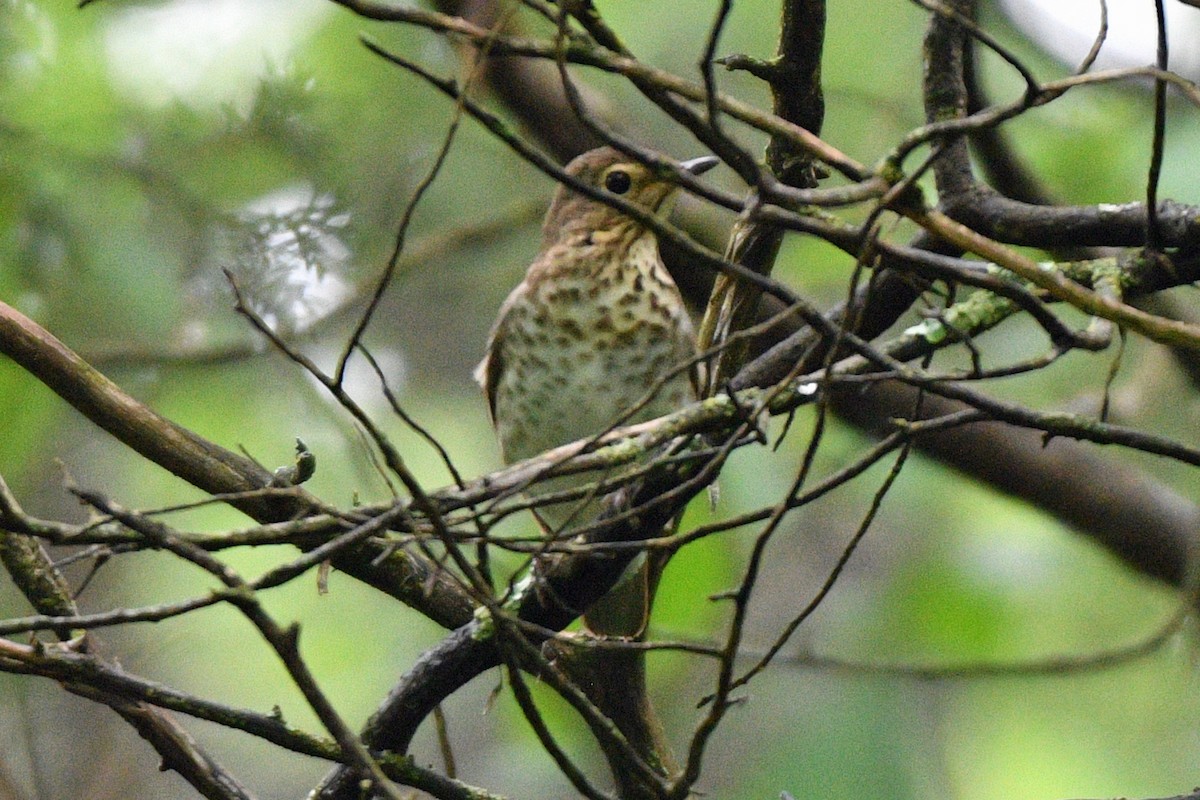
x=583 y=349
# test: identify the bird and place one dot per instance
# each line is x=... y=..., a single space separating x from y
x=595 y=324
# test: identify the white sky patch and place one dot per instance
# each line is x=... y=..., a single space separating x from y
x=1067 y=28
x=204 y=53
x=320 y=287
x=287 y=251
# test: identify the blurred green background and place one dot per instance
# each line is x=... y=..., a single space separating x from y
x=145 y=146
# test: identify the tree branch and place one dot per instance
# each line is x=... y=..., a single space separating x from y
x=209 y=467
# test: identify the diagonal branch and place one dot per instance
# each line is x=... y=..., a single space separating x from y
x=406 y=576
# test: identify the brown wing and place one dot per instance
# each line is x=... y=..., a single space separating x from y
x=487 y=373
x=489 y=370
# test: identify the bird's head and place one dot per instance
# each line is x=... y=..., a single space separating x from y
x=607 y=169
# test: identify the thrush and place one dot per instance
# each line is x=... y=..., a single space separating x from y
x=596 y=323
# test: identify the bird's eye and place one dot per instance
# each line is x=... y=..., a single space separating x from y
x=618 y=181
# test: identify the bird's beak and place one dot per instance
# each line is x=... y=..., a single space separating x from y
x=699 y=166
